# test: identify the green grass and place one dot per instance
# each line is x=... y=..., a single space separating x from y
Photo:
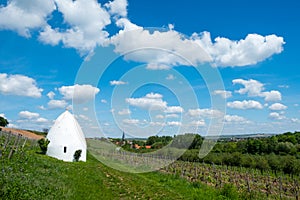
x=29 y=175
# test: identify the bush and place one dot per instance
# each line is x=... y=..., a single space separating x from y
x=262 y=164
x=77 y=155
x=291 y=165
x=43 y=145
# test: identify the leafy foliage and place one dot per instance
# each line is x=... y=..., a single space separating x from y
x=43 y=143
x=77 y=155
x=158 y=141
x=3 y=121
x=276 y=153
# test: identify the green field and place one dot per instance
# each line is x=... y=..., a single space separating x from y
x=30 y=175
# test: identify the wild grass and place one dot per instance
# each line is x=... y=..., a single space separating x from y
x=30 y=175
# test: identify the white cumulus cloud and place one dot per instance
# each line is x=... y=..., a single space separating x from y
x=174 y=123
x=19 y=85
x=31 y=120
x=277 y=106
x=249 y=51
x=243 y=105
x=53 y=104
x=174 y=109
x=251 y=87
x=206 y=112
x=42 y=120
x=223 y=93
x=117 y=7
x=24 y=16
x=84 y=33
x=148 y=103
x=154 y=96
x=50 y=36
x=172 y=116
x=235 y=119
x=154 y=101
x=276 y=116
x=254 y=88
x=51 y=95
x=28 y=115
x=86 y=22
x=170 y=42
x=78 y=93
x=272 y=95
x=194 y=50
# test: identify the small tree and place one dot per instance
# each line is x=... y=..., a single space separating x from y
x=43 y=145
x=3 y=121
x=77 y=155
x=45 y=131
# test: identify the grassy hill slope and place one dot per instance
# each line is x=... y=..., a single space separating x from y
x=29 y=175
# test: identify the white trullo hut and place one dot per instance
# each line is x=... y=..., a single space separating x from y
x=66 y=137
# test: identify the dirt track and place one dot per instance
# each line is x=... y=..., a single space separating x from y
x=23 y=132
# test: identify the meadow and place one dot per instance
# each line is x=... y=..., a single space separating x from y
x=30 y=175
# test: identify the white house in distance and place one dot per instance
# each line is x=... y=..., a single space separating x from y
x=65 y=138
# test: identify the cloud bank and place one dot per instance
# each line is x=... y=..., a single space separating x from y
x=160 y=49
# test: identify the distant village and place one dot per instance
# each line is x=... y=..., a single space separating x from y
x=131 y=143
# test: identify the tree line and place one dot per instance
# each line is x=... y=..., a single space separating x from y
x=278 y=153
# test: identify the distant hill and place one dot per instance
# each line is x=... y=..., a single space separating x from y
x=24 y=133
x=243 y=136
x=239 y=136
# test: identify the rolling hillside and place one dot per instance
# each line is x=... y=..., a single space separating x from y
x=24 y=133
x=30 y=175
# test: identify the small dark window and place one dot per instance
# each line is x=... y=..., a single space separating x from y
x=65 y=149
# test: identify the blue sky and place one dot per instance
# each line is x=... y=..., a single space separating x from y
x=193 y=66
